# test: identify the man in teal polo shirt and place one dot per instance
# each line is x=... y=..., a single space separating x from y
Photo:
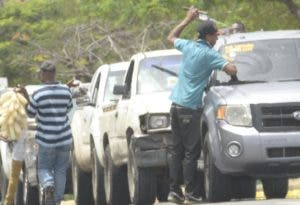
x=199 y=59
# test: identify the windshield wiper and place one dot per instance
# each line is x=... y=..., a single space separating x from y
x=240 y=82
x=164 y=70
x=249 y=81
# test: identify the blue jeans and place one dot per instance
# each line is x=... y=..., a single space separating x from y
x=52 y=168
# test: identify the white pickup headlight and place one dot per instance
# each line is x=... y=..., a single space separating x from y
x=154 y=122
x=158 y=121
x=237 y=115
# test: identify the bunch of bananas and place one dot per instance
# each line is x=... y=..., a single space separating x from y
x=12 y=115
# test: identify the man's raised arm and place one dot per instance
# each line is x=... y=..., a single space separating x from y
x=192 y=13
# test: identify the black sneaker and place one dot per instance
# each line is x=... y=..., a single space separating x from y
x=191 y=198
x=176 y=197
x=49 y=195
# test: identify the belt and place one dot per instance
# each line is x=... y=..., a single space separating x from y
x=178 y=106
x=174 y=105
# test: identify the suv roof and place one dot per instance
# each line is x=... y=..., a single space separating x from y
x=258 y=35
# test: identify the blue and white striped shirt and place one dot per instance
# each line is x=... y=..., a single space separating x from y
x=50 y=105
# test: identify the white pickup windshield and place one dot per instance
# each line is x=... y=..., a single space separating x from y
x=158 y=74
x=264 y=60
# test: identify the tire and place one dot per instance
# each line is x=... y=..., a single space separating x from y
x=163 y=186
x=30 y=193
x=115 y=180
x=81 y=181
x=200 y=181
x=97 y=180
x=41 y=196
x=217 y=185
x=3 y=183
x=142 y=183
x=69 y=183
x=18 y=200
x=275 y=188
x=243 y=188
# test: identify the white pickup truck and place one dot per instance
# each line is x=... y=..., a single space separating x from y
x=136 y=131
x=85 y=127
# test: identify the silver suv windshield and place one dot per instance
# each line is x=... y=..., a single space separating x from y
x=263 y=60
x=158 y=74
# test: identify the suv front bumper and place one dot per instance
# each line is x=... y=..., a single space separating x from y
x=150 y=150
x=263 y=154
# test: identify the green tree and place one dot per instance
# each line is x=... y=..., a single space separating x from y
x=80 y=35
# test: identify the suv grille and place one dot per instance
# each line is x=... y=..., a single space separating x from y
x=283 y=152
x=275 y=117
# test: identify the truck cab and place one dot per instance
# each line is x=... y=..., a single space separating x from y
x=136 y=131
x=85 y=127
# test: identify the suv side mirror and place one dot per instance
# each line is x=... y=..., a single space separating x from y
x=119 y=89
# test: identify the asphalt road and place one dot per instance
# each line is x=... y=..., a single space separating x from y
x=259 y=202
x=293 y=198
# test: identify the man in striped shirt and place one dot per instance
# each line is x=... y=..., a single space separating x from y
x=50 y=106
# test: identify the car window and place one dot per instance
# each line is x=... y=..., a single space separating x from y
x=95 y=91
x=264 y=60
x=128 y=80
x=158 y=74
x=114 y=78
x=92 y=84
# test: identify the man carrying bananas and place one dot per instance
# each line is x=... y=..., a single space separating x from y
x=13 y=123
x=50 y=106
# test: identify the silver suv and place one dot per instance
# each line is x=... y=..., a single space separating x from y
x=251 y=125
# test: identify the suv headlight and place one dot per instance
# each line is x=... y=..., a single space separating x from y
x=237 y=115
x=154 y=121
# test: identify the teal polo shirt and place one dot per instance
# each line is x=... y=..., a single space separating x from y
x=199 y=59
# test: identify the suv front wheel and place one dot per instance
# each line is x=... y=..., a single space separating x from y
x=217 y=185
